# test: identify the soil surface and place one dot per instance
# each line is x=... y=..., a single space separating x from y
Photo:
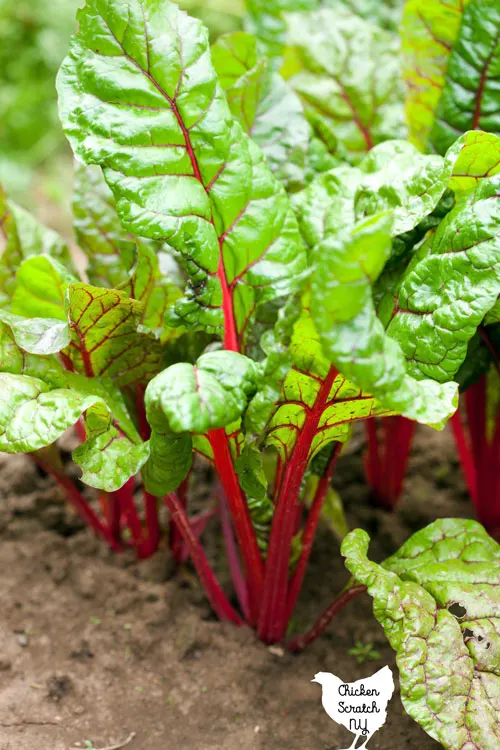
x=95 y=649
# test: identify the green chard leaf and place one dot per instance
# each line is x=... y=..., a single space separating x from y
x=347 y=258
x=37 y=335
x=39 y=400
x=190 y=399
x=105 y=335
x=22 y=236
x=143 y=101
x=438 y=601
x=152 y=283
x=108 y=248
x=315 y=392
x=346 y=72
x=40 y=288
x=268 y=110
x=265 y=20
x=454 y=280
x=429 y=31
x=469 y=99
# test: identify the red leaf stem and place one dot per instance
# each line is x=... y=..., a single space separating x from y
x=233 y=559
x=215 y=594
x=272 y=621
x=301 y=641
x=310 y=530
x=242 y=523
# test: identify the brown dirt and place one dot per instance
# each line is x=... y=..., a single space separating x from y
x=94 y=647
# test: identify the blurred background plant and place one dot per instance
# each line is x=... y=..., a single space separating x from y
x=35 y=160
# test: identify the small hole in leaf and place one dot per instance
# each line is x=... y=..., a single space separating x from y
x=488 y=645
x=480 y=638
x=468 y=633
x=457 y=610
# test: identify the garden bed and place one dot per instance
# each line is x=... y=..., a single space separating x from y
x=95 y=647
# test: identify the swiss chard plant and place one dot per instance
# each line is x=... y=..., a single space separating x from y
x=267 y=262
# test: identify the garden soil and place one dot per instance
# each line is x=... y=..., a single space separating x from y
x=96 y=650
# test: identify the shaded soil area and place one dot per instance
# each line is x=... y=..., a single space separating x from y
x=94 y=648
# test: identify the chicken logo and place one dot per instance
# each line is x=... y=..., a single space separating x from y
x=361 y=707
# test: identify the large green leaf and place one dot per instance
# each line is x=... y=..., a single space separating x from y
x=105 y=339
x=33 y=414
x=139 y=96
x=469 y=99
x=455 y=279
x=429 y=31
x=264 y=105
x=40 y=288
x=346 y=263
x=347 y=72
x=438 y=601
x=109 y=249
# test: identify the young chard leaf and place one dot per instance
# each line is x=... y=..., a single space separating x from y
x=37 y=335
x=181 y=170
x=347 y=72
x=185 y=399
x=268 y=110
x=40 y=288
x=105 y=339
x=438 y=601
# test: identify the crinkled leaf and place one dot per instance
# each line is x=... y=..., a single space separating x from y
x=37 y=335
x=429 y=31
x=397 y=176
x=109 y=459
x=474 y=156
x=108 y=247
x=197 y=398
x=449 y=665
x=40 y=288
x=33 y=414
x=469 y=99
x=444 y=297
x=105 y=339
x=347 y=71
x=346 y=264
x=264 y=105
x=138 y=95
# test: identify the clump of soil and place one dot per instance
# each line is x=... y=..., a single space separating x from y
x=110 y=648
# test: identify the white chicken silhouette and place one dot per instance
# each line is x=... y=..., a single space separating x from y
x=361 y=706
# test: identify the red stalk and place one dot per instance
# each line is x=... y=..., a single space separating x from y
x=198 y=525
x=386 y=459
x=216 y=596
x=233 y=558
x=465 y=455
x=301 y=641
x=310 y=531
x=242 y=523
x=176 y=542
x=273 y=621
x=124 y=498
x=79 y=503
